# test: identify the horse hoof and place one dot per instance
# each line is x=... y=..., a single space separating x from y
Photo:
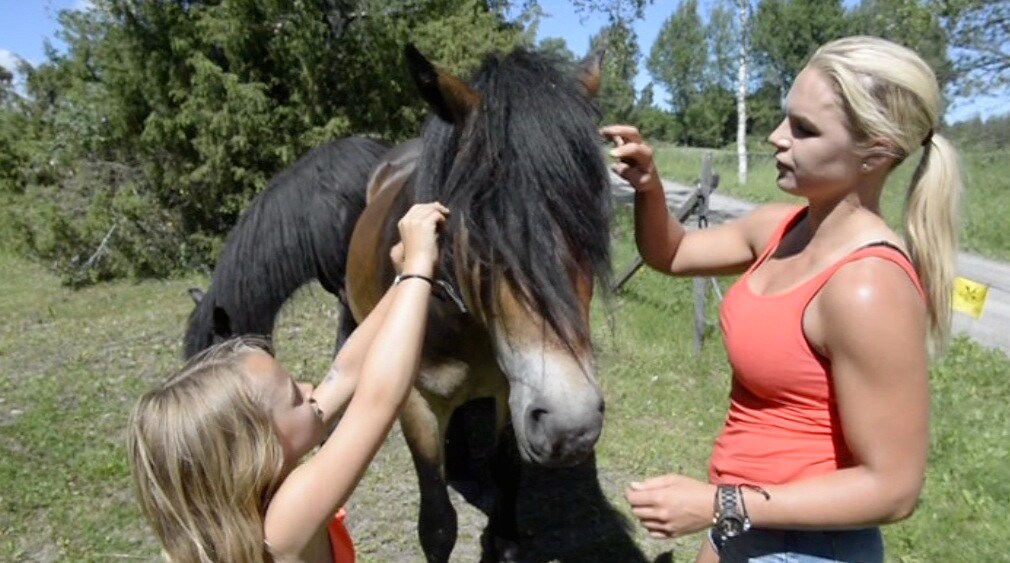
x=507 y=551
x=503 y=551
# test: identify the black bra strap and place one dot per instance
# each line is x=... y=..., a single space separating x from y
x=888 y=244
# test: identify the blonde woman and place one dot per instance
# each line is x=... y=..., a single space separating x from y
x=829 y=327
x=216 y=450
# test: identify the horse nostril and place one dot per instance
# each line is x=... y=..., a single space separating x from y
x=537 y=414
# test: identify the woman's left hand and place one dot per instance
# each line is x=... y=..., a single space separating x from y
x=672 y=505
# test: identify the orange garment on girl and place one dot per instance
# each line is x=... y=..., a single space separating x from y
x=340 y=539
x=783 y=420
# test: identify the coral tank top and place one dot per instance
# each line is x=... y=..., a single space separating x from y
x=783 y=420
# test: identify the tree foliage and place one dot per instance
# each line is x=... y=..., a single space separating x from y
x=710 y=120
x=979 y=32
x=723 y=35
x=620 y=64
x=144 y=140
x=975 y=134
x=910 y=23
x=679 y=56
x=655 y=123
x=786 y=32
x=133 y=150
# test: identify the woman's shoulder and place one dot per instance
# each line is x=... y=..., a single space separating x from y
x=874 y=285
x=868 y=302
x=764 y=221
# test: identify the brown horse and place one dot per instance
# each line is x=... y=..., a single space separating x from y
x=516 y=156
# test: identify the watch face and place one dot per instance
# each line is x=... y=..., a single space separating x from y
x=731 y=526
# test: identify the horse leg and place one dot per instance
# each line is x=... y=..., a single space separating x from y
x=423 y=430
x=501 y=538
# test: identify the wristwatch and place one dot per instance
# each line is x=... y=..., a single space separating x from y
x=730 y=518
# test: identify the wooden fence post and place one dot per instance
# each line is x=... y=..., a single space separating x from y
x=705 y=188
x=696 y=203
x=682 y=213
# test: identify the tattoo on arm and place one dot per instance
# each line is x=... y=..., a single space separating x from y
x=332 y=375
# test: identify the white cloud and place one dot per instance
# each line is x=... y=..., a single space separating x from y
x=9 y=60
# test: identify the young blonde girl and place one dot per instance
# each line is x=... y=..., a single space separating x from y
x=216 y=451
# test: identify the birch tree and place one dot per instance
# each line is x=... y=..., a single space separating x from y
x=743 y=14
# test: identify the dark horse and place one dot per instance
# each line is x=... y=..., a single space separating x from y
x=296 y=231
x=515 y=155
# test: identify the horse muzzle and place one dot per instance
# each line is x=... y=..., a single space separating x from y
x=557 y=409
x=560 y=437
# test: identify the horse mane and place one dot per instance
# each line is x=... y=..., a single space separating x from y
x=295 y=231
x=526 y=181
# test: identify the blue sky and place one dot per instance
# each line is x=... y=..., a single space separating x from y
x=28 y=23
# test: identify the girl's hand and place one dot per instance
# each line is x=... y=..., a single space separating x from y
x=419 y=232
x=396 y=256
x=634 y=157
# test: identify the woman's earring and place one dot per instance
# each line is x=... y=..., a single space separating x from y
x=866 y=166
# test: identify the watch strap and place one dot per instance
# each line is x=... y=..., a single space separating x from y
x=729 y=506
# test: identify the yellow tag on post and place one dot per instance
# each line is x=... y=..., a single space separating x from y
x=969 y=296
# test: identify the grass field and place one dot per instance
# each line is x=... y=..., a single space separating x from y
x=73 y=362
x=985 y=229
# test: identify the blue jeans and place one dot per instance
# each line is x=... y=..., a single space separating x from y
x=760 y=545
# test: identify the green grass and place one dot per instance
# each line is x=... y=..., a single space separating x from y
x=73 y=362
x=984 y=227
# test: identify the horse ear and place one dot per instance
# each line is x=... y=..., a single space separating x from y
x=196 y=294
x=451 y=98
x=590 y=72
x=222 y=322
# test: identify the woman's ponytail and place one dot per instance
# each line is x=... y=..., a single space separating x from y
x=931 y=230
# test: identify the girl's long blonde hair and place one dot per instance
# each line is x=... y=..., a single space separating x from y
x=205 y=458
x=891 y=95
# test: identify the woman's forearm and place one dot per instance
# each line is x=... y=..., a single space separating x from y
x=848 y=498
x=657 y=235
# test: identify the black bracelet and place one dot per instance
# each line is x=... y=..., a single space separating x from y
x=743 y=502
x=399 y=278
x=755 y=488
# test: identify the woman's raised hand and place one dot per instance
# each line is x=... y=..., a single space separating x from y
x=634 y=157
x=419 y=228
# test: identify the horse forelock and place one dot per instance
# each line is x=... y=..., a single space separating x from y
x=525 y=177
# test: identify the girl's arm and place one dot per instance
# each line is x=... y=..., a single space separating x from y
x=335 y=390
x=311 y=494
